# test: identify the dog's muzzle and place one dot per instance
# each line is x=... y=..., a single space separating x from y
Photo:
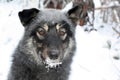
x=53 y=54
x=53 y=58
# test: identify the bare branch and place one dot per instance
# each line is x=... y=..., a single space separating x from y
x=112 y=7
x=118 y=32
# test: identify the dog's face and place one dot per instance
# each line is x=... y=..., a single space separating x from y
x=49 y=35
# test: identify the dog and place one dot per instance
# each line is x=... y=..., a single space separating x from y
x=45 y=52
x=56 y=4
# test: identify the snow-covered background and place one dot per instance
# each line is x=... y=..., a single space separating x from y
x=98 y=52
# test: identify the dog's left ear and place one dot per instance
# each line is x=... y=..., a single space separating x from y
x=27 y=15
x=75 y=13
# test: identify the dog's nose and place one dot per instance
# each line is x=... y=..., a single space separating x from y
x=53 y=54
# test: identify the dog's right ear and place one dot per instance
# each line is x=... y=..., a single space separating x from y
x=27 y=15
x=75 y=13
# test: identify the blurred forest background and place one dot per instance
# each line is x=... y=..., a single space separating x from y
x=97 y=36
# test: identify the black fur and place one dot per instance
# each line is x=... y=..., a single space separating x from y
x=27 y=15
x=29 y=59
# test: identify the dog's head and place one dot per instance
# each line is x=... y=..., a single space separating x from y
x=49 y=34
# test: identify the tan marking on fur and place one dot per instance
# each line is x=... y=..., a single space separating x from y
x=63 y=36
x=71 y=44
x=58 y=26
x=46 y=27
x=45 y=53
x=32 y=50
x=58 y=29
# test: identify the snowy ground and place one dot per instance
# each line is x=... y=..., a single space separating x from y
x=93 y=60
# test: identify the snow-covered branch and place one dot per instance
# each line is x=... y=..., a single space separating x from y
x=107 y=7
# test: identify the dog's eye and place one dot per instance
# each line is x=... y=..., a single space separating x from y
x=40 y=33
x=62 y=31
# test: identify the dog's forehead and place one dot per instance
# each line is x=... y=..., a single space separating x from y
x=51 y=18
x=51 y=15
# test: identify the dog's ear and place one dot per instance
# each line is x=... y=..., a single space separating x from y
x=75 y=13
x=27 y=15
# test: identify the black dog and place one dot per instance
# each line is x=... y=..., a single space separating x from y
x=47 y=47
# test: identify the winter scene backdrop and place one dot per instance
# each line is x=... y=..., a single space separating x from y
x=98 y=51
